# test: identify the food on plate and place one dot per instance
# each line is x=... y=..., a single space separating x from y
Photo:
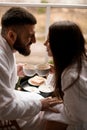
x=36 y=80
x=46 y=90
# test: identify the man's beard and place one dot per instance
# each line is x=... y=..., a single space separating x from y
x=21 y=47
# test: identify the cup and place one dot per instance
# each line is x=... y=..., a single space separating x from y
x=43 y=69
x=29 y=69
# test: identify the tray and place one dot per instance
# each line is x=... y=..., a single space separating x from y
x=25 y=85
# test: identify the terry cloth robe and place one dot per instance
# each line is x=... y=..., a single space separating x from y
x=73 y=111
x=17 y=105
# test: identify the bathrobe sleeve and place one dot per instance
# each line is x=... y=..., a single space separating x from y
x=14 y=104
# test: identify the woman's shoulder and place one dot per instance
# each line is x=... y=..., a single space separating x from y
x=69 y=70
x=71 y=73
x=72 y=69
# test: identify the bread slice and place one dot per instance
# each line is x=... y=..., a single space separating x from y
x=36 y=80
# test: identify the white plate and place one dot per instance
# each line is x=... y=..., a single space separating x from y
x=31 y=89
x=46 y=88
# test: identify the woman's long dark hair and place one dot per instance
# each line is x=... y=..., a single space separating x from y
x=68 y=47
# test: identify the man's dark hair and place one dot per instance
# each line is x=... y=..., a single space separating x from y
x=17 y=16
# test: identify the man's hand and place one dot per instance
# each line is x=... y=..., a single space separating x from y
x=48 y=103
x=20 y=72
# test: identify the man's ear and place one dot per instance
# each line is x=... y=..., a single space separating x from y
x=11 y=36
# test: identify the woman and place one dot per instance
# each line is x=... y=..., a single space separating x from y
x=66 y=43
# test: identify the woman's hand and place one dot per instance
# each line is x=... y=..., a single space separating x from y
x=52 y=68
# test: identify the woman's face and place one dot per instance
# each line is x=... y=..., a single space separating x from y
x=47 y=44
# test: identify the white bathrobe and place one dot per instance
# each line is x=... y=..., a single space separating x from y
x=22 y=106
x=74 y=109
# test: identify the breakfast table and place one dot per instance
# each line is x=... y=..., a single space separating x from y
x=53 y=125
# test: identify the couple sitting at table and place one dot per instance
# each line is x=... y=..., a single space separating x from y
x=66 y=44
